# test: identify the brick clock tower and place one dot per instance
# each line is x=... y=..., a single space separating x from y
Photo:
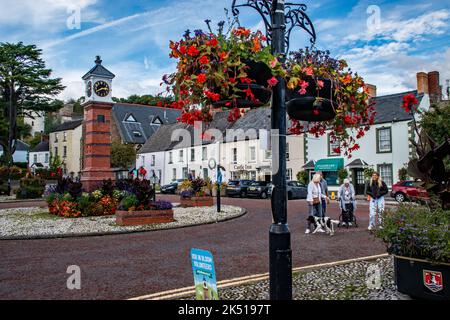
x=97 y=127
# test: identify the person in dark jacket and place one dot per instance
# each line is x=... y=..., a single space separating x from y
x=376 y=189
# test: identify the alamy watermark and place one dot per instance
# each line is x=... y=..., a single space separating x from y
x=74 y=280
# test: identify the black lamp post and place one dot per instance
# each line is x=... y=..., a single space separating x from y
x=279 y=19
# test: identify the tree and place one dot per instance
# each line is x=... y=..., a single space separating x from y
x=26 y=86
x=147 y=99
x=303 y=177
x=122 y=155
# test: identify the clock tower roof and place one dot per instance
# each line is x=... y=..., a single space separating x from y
x=99 y=70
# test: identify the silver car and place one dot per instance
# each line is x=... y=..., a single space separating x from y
x=294 y=189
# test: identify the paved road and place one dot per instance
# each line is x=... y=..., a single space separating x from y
x=125 y=266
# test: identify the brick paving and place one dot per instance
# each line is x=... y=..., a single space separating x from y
x=125 y=266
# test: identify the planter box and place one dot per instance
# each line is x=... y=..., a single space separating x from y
x=197 y=202
x=414 y=277
x=135 y=218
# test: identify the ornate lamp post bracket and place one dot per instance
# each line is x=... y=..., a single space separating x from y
x=294 y=16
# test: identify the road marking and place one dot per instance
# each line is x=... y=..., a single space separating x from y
x=188 y=291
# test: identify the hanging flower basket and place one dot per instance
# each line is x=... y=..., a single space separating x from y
x=324 y=92
x=314 y=105
x=221 y=70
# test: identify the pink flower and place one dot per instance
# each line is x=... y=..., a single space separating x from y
x=320 y=84
x=303 y=84
x=272 y=82
x=302 y=91
x=308 y=71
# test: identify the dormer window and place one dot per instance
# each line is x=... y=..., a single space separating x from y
x=157 y=121
x=137 y=133
x=130 y=118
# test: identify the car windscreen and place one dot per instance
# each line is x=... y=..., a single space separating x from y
x=259 y=183
x=233 y=183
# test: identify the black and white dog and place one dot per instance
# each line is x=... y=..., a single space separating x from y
x=326 y=223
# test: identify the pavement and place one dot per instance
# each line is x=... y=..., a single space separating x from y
x=131 y=265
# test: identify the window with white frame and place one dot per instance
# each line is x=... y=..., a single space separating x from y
x=385 y=171
x=204 y=153
x=205 y=173
x=180 y=156
x=192 y=155
x=252 y=154
x=170 y=157
x=289 y=174
x=174 y=174
x=46 y=158
x=153 y=161
x=384 y=137
x=234 y=151
x=334 y=147
x=268 y=154
x=35 y=158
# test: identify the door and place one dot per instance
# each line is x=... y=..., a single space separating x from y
x=358 y=181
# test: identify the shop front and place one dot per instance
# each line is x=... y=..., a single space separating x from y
x=329 y=168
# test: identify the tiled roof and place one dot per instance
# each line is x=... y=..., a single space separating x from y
x=99 y=70
x=20 y=146
x=137 y=123
x=389 y=108
x=41 y=147
x=70 y=125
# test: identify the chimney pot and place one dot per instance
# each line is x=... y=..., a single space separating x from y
x=434 y=86
x=371 y=90
x=422 y=83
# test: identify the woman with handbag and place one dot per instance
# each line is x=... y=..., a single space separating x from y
x=314 y=199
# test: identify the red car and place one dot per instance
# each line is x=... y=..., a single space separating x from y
x=406 y=190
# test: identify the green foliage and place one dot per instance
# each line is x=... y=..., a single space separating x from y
x=417 y=232
x=403 y=174
x=122 y=155
x=129 y=201
x=342 y=174
x=26 y=84
x=303 y=177
x=146 y=99
x=436 y=122
x=368 y=172
x=55 y=163
x=33 y=141
x=31 y=187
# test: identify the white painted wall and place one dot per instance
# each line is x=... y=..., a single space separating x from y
x=41 y=158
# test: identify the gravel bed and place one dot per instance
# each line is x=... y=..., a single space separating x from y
x=350 y=281
x=38 y=223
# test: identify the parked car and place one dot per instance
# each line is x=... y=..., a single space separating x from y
x=294 y=189
x=238 y=188
x=171 y=187
x=259 y=189
x=406 y=190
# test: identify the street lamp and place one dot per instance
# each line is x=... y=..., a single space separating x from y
x=279 y=19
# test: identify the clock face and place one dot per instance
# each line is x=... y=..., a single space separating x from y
x=101 y=88
x=89 y=88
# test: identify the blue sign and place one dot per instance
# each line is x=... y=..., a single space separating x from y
x=204 y=275
x=219 y=176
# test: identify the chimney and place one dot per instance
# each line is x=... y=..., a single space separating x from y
x=371 y=90
x=434 y=87
x=422 y=83
x=44 y=138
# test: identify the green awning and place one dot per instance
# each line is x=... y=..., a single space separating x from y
x=334 y=164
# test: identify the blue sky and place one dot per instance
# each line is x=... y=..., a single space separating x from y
x=385 y=41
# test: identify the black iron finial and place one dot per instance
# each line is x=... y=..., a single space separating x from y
x=98 y=60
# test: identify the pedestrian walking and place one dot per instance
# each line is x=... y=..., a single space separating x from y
x=376 y=189
x=324 y=188
x=347 y=202
x=314 y=199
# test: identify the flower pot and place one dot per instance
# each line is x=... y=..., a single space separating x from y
x=197 y=202
x=262 y=95
x=422 y=279
x=258 y=71
x=307 y=107
x=135 y=218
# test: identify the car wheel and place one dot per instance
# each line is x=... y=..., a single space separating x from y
x=264 y=195
x=290 y=196
x=400 y=197
x=242 y=194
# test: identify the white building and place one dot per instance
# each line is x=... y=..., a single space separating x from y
x=386 y=147
x=242 y=148
x=37 y=122
x=39 y=156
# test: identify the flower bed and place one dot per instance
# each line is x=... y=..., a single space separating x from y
x=197 y=202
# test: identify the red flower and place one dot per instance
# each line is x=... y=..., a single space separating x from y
x=337 y=150
x=272 y=82
x=201 y=78
x=193 y=51
x=409 y=102
x=316 y=112
x=204 y=60
x=183 y=49
x=213 y=42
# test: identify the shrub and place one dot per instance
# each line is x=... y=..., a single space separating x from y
x=129 y=202
x=417 y=232
x=303 y=177
x=162 y=205
x=31 y=187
